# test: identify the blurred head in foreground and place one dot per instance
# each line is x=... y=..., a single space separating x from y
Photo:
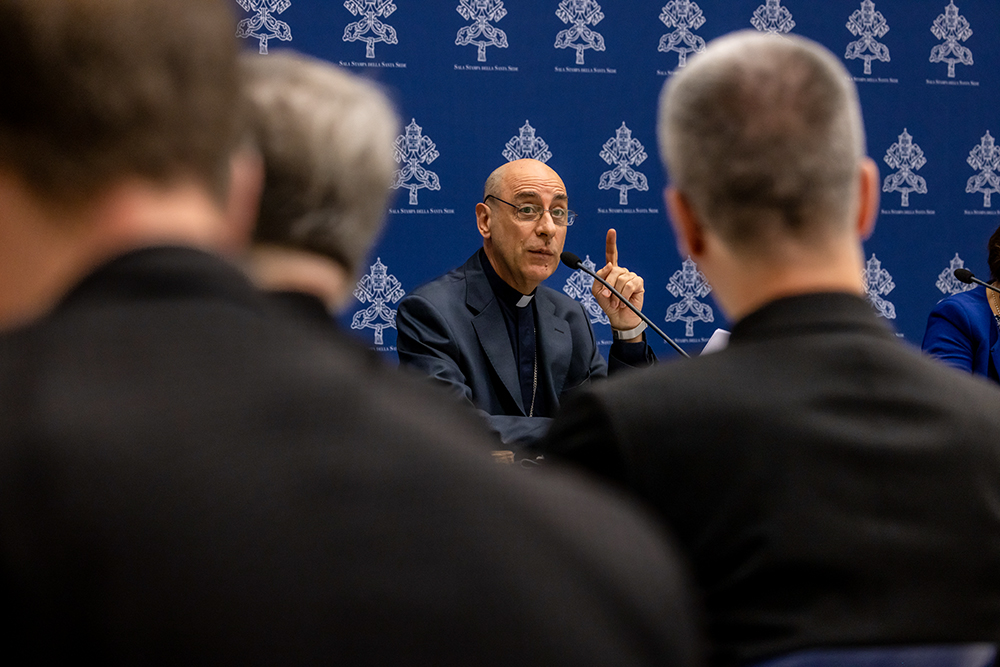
x=764 y=144
x=326 y=138
x=118 y=125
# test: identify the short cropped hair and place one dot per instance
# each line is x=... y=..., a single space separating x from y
x=95 y=91
x=327 y=140
x=763 y=135
x=492 y=185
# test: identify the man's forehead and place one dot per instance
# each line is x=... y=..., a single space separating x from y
x=531 y=193
x=533 y=180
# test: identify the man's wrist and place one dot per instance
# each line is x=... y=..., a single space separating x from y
x=629 y=336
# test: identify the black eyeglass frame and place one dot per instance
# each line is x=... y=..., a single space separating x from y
x=570 y=215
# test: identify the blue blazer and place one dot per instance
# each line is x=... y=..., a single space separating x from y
x=452 y=329
x=962 y=332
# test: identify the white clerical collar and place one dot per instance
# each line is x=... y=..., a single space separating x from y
x=524 y=300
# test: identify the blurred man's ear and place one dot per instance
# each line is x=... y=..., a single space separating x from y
x=868 y=197
x=687 y=229
x=242 y=203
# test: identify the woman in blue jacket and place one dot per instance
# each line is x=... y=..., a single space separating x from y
x=963 y=330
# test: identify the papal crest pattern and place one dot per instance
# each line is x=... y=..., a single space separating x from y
x=527 y=145
x=773 y=18
x=379 y=288
x=878 y=283
x=580 y=14
x=481 y=33
x=578 y=287
x=948 y=283
x=985 y=159
x=369 y=28
x=412 y=151
x=906 y=157
x=685 y=17
x=937 y=149
x=868 y=26
x=263 y=25
x=951 y=28
x=624 y=153
x=689 y=285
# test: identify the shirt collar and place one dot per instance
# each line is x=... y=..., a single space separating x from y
x=501 y=289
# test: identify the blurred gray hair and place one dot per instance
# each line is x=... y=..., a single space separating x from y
x=326 y=137
x=763 y=135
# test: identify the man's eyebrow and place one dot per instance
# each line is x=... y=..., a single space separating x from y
x=527 y=194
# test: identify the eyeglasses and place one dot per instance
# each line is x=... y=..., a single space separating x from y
x=533 y=213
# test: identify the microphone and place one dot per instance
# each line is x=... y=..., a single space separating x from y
x=966 y=277
x=574 y=262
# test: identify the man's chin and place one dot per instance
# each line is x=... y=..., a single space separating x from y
x=542 y=274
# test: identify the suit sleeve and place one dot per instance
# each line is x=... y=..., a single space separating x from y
x=517 y=430
x=623 y=356
x=949 y=335
x=425 y=343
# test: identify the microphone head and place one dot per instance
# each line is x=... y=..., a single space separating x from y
x=570 y=260
x=962 y=274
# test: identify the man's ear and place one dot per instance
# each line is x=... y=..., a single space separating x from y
x=242 y=203
x=868 y=197
x=687 y=228
x=483 y=220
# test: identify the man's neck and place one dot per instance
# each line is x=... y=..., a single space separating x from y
x=745 y=286
x=501 y=288
x=277 y=269
x=502 y=274
x=45 y=249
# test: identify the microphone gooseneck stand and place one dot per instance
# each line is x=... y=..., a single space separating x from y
x=966 y=276
x=574 y=262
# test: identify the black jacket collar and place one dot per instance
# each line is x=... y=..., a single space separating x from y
x=164 y=272
x=810 y=313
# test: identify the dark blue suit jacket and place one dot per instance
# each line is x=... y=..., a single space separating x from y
x=452 y=329
x=962 y=332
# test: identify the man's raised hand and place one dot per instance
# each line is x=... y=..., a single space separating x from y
x=627 y=283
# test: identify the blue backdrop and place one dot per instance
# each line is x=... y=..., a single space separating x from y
x=575 y=83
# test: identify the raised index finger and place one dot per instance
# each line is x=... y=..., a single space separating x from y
x=611 y=248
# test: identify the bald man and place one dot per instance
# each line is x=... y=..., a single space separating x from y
x=494 y=336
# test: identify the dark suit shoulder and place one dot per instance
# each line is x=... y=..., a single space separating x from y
x=447 y=283
x=838 y=448
x=564 y=304
x=195 y=475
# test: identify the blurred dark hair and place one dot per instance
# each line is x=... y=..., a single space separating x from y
x=993 y=255
x=99 y=90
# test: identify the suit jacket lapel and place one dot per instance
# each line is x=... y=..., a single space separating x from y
x=555 y=346
x=491 y=330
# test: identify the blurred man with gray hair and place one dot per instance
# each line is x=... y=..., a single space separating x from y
x=830 y=485
x=326 y=138
x=189 y=477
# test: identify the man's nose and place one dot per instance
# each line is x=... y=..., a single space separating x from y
x=546 y=225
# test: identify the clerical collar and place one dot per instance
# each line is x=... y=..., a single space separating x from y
x=501 y=289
